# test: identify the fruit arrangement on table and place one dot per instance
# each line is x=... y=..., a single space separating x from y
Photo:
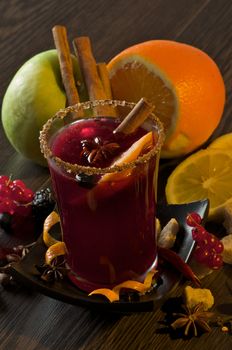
x=187 y=90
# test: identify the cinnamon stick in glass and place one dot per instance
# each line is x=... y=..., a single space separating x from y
x=63 y=50
x=136 y=117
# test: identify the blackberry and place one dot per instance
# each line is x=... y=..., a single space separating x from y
x=42 y=205
x=86 y=181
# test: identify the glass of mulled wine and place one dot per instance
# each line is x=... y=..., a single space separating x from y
x=105 y=187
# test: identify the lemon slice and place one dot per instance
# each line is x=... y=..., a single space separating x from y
x=223 y=142
x=205 y=174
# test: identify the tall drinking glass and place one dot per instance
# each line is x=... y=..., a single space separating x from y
x=107 y=208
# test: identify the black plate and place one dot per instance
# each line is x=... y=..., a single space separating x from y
x=25 y=271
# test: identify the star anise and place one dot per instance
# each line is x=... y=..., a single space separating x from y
x=97 y=150
x=194 y=318
x=19 y=252
x=54 y=272
x=14 y=254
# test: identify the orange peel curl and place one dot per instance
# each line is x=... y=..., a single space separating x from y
x=52 y=219
x=54 y=251
x=114 y=294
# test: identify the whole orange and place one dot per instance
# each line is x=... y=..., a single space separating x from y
x=184 y=84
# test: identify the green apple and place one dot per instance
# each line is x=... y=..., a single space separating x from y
x=34 y=95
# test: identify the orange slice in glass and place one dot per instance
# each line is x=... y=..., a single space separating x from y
x=128 y=156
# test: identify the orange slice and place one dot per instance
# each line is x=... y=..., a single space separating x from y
x=118 y=180
x=128 y=156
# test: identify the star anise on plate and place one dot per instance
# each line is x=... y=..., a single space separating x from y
x=193 y=318
x=54 y=272
x=95 y=150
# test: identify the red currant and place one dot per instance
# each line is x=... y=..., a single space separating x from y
x=16 y=193
x=16 y=202
x=7 y=206
x=215 y=261
x=195 y=234
x=4 y=180
x=28 y=195
x=199 y=234
x=211 y=241
x=218 y=247
x=4 y=190
x=19 y=183
x=201 y=254
x=193 y=219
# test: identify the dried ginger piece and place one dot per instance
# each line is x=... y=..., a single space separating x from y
x=195 y=296
x=167 y=236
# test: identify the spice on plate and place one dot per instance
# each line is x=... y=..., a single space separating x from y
x=193 y=319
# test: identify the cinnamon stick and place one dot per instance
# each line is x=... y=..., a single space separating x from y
x=63 y=50
x=104 y=76
x=83 y=51
x=136 y=117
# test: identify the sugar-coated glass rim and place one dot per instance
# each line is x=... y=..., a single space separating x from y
x=76 y=168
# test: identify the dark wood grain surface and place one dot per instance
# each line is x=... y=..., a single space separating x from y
x=29 y=320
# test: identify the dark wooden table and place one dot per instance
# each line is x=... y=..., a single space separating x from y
x=29 y=320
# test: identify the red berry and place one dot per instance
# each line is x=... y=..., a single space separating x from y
x=200 y=235
x=19 y=183
x=7 y=206
x=214 y=243
x=4 y=180
x=211 y=241
x=195 y=234
x=201 y=254
x=215 y=261
x=4 y=190
x=218 y=247
x=193 y=219
x=17 y=193
x=28 y=195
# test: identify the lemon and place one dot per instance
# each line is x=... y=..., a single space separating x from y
x=204 y=174
x=223 y=142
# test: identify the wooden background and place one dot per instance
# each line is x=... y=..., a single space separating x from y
x=29 y=320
